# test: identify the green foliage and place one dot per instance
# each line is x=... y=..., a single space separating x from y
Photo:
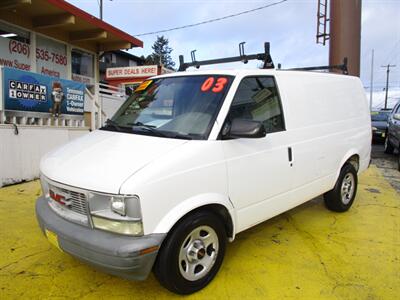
x=161 y=53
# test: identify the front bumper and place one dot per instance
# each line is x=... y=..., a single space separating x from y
x=379 y=134
x=113 y=253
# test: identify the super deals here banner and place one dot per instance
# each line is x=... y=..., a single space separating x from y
x=27 y=91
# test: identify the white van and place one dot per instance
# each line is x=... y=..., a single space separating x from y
x=193 y=158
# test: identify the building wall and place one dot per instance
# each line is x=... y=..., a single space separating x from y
x=20 y=153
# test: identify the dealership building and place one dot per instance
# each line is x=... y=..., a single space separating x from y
x=49 y=91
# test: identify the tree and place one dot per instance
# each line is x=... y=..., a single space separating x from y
x=161 y=53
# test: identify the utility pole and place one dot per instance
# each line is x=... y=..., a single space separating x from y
x=101 y=9
x=372 y=81
x=387 y=80
x=345 y=34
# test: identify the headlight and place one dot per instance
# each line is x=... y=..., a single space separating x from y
x=117 y=213
x=118 y=205
x=374 y=129
x=118 y=226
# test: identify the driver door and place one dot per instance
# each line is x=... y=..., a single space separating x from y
x=259 y=169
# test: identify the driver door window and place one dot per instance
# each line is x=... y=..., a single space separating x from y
x=257 y=99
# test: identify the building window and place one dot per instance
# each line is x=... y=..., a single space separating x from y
x=82 y=66
x=51 y=57
x=15 y=48
x=13 y=33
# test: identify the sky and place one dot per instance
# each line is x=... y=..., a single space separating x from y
x=290 y=27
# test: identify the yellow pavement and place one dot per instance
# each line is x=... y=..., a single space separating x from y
x=306 y=253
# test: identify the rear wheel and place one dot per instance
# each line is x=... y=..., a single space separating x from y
x=388 y=146
x=342 y=196
x=192 y=254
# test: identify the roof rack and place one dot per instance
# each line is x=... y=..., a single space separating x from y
x=342 y=67
x=266 y=57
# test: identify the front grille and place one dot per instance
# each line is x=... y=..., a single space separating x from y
x=76 y=201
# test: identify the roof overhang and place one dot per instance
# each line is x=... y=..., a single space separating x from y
x=63 y=21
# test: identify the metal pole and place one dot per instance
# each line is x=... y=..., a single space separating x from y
x=387 y=81
x=345 y=34
x=101 y=9
x=372 y=81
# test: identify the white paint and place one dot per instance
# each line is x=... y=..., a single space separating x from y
x=101 y=158
x=327 y=121
x=20 y=154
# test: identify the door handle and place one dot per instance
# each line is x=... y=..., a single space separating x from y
x=290 y=156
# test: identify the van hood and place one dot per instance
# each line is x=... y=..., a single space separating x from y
x=103 y=160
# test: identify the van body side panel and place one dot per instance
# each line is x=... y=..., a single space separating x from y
x=195 y=175
x=259 y=173
x=328 y=121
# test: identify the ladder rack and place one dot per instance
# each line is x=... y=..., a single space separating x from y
x=266 y=57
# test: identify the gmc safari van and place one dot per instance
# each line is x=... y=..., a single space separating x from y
x=193 y=158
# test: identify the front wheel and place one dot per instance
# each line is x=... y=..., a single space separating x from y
x=388 y=146
x=192 y=254
x=342 y=196
x=398 y=161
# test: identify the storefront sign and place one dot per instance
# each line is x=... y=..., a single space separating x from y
x=15 y=54
x=51 y=57
x=137 y=71
x=26 y=91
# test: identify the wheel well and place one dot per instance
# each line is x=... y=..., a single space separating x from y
x=218 y=210
x=355 y=161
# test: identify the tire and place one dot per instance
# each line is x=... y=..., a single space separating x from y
x=388 y=146
x=192 y=254
x=342 y=196
x=398 y=161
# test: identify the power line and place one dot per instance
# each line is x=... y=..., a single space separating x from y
x=213 y=20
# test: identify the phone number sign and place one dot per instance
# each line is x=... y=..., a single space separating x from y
x=51 y=57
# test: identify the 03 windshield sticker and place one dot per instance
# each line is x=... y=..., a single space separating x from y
x=216 y=86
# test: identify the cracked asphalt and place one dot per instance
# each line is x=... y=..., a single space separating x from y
x=387 y=164
x=306 y=253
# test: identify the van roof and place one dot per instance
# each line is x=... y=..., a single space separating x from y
x=248 y=72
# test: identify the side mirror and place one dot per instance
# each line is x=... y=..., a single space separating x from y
x=242 y=128
x=396 y=116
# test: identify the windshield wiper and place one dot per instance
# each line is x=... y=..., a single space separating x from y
x=152 y=129
x=149 y=128
x=114 y=124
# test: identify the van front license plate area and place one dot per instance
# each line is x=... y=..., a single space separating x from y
x=53 y=239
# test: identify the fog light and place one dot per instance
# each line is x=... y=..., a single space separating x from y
x=118 y=205
x=122 y=227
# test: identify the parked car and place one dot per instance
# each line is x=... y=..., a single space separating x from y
x=231 y=149
x=379 y=121
x=392 y=140
x=398 y=161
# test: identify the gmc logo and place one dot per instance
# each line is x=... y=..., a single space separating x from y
x=60 y=198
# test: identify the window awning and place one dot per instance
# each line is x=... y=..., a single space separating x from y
x=64 y=21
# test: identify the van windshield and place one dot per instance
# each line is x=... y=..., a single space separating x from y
x=174 y=107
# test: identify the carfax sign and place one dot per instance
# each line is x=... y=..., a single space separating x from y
x=26 y=91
